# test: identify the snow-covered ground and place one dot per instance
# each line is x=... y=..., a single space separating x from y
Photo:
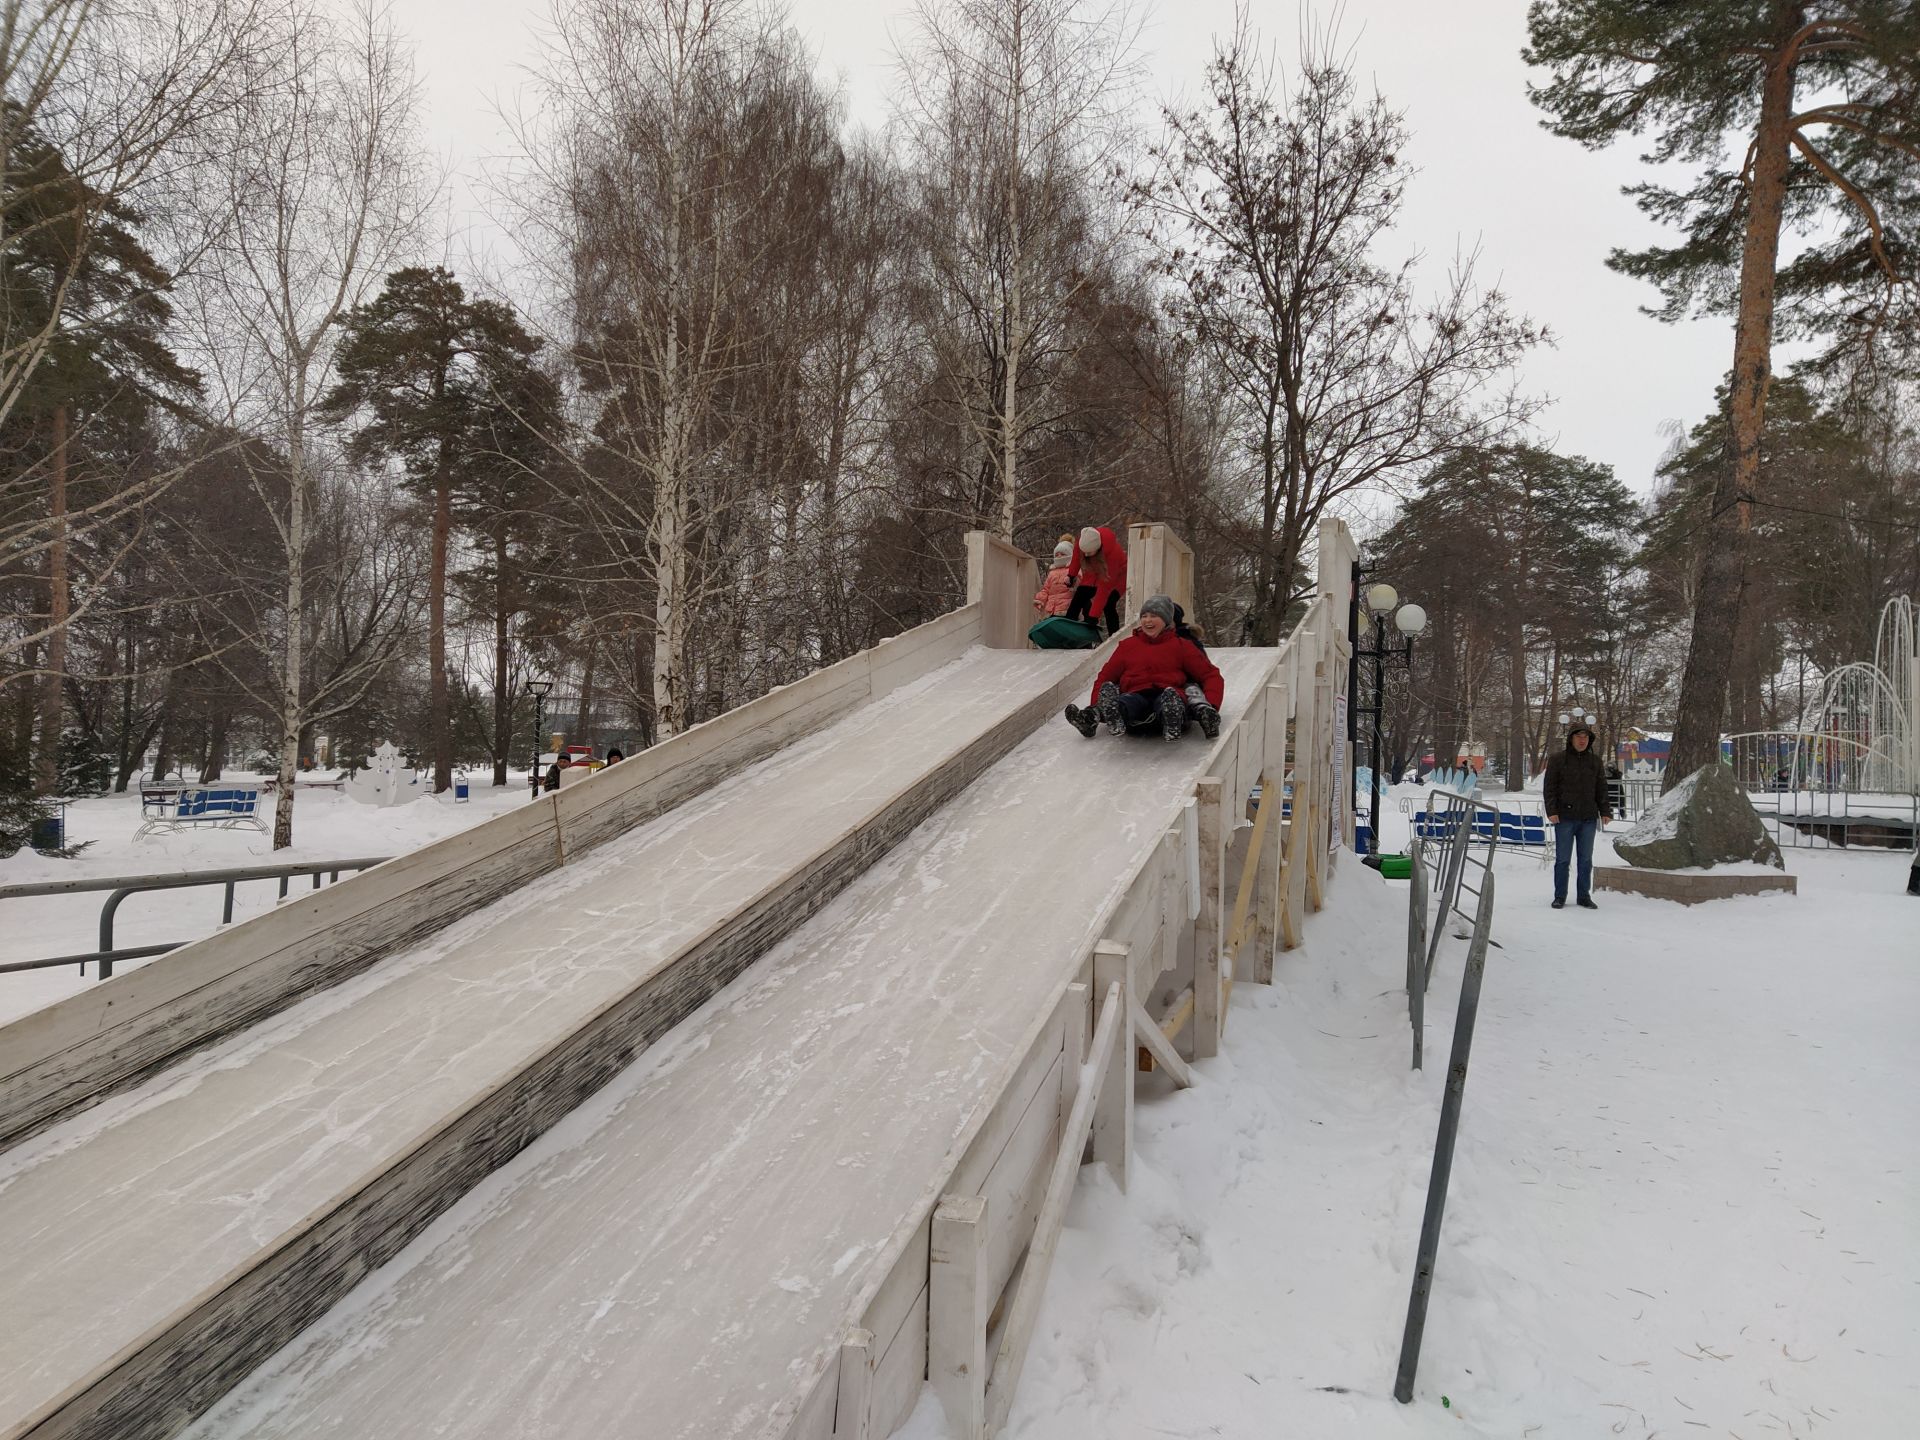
x=1685 y=1200
x=327 y=825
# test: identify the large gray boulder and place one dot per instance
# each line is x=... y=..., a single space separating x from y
x=1703 y=821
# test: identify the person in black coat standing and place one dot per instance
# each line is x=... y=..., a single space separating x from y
x=1577 y=803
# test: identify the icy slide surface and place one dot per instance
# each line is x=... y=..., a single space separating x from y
x=682 y=1255
x=111 y=1222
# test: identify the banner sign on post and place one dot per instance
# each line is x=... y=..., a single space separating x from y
x=1340 y=776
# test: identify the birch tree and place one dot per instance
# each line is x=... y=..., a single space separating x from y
x=1270 y=205
x=102 y=104
x=322 y=201
x=657 y=153
x=1013 y=117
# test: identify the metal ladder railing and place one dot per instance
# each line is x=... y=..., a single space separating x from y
x=121 y=886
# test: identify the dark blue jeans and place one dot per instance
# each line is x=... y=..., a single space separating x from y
x=1141 y=711
x=1567 y=835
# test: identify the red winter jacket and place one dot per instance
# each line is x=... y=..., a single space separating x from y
x=1116 y=581
x=1164 y=662
x=1056 y=593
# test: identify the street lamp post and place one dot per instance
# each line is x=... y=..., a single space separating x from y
x=1382 y=601
x=539 y=689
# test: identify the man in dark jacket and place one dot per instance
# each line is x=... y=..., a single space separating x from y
x=1575 y=791
x=1142 y=686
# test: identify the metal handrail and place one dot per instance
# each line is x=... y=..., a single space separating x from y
x=121 y=886
x=1452 y=1101
x=1454 y=854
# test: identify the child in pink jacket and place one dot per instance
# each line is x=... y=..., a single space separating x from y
x=1056 y=591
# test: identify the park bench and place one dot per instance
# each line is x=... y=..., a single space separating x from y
x=182 y=807
x=1523 y=828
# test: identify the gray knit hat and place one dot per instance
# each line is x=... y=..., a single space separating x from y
x=1161 y=605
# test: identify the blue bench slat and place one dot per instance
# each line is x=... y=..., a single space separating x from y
x=215 y=804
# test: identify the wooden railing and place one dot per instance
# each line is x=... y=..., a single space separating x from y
x=1185 y=927
x=79 y=1049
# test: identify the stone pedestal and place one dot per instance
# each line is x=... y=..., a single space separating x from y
x=1690 y=887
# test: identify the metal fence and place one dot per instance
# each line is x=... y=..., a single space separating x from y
x=1417 y=969
x=121 y=886
x=1637 y=795
x=1462 y=834
x=1449 y=1129
x=1820 y=790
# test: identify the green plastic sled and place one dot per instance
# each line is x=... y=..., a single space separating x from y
x=1056 y=632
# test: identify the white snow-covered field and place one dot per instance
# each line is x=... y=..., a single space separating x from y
x=327 y=825
x=1685 y=1200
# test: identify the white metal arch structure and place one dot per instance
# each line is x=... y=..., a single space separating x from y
x=1877 y=705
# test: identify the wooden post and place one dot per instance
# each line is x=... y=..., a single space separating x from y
x=957 y=1313
x=1208 y=1017
x=1001 y=581
x=1113 y=1116
x=1299 y=848
x=1173 y=906
x=1109 y=1039
x=1258 y=968
x=1314 y=750
x=853 y=1407
x=1078 y=1005
x=976 y=567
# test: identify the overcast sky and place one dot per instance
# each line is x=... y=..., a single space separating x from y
x=1542 y=211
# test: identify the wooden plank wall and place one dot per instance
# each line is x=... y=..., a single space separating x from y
x=118 y=1032
x=218 y=1339
x=1143 y=932
x=1001 y=580
x=1158 y=563
x=1338 y=555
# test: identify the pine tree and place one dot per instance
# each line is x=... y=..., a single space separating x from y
x=431 y=370
x=1840 y=173
x=1516 y=545
x=77 y=283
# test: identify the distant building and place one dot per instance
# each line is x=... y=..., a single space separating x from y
x=1652 y=747
x=1644 y=747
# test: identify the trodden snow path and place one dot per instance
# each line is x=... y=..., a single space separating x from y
x=682 y=1257
x=118 y=1221
x=1685 y=1200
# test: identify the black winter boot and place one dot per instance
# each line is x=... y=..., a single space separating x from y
x=1082 y=720
x=1109 y=709
x=1208 y=717
x=1173 y=713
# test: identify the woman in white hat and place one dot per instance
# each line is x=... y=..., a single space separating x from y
x=1099 y=575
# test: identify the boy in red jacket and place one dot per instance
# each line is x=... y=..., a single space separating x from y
x=1140 y=687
